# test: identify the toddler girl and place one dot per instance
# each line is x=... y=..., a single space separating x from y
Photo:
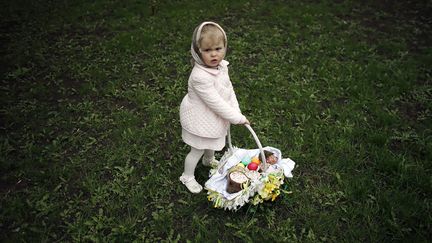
x=210 y=104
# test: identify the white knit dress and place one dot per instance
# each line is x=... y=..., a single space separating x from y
x=198 y=142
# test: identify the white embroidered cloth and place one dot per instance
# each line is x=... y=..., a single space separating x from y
x=218 y=181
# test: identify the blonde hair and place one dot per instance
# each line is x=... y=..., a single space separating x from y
x=211 y=32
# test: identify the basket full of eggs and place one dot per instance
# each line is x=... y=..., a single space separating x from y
x=247 y=176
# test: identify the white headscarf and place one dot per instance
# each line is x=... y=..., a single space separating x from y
x=196 y=55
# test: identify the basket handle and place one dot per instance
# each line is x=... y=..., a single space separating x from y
x=257 y=141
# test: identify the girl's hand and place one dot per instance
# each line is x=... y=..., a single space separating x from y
x=247 y=122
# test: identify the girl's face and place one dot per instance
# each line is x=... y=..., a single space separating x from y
x=212 y=51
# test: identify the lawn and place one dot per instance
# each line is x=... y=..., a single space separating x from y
x=91 y=145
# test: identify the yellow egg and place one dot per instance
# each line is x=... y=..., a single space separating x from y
x=240 y=165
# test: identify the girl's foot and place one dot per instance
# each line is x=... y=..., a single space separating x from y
x=191 y=184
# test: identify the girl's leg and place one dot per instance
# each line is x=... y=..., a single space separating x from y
x=188 y=177
x=191 y=161
x=209 y=157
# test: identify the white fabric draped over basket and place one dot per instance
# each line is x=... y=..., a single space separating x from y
x=218 y=178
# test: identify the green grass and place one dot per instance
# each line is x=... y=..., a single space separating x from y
x=91 y=145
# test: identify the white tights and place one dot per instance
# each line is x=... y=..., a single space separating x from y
x=193 y=157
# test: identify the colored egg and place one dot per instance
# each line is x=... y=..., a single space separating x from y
x=255 y=160
x=241 y=165
x=246 y=160
x=252 y=166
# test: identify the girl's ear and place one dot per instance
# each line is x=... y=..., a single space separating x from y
x=226 y=52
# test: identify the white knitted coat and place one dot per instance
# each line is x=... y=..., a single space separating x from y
x=210 y=104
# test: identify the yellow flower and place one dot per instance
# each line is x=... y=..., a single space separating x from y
x=257 y=199
x=263 y=193
x=269 y=187
x=275 y=195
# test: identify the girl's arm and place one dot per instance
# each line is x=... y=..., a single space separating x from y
x=234 y=100
x=205 y=90
x=236 y=104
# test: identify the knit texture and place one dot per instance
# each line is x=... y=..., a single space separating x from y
x=211 y=104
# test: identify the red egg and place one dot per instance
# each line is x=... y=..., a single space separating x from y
x=252 y=166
